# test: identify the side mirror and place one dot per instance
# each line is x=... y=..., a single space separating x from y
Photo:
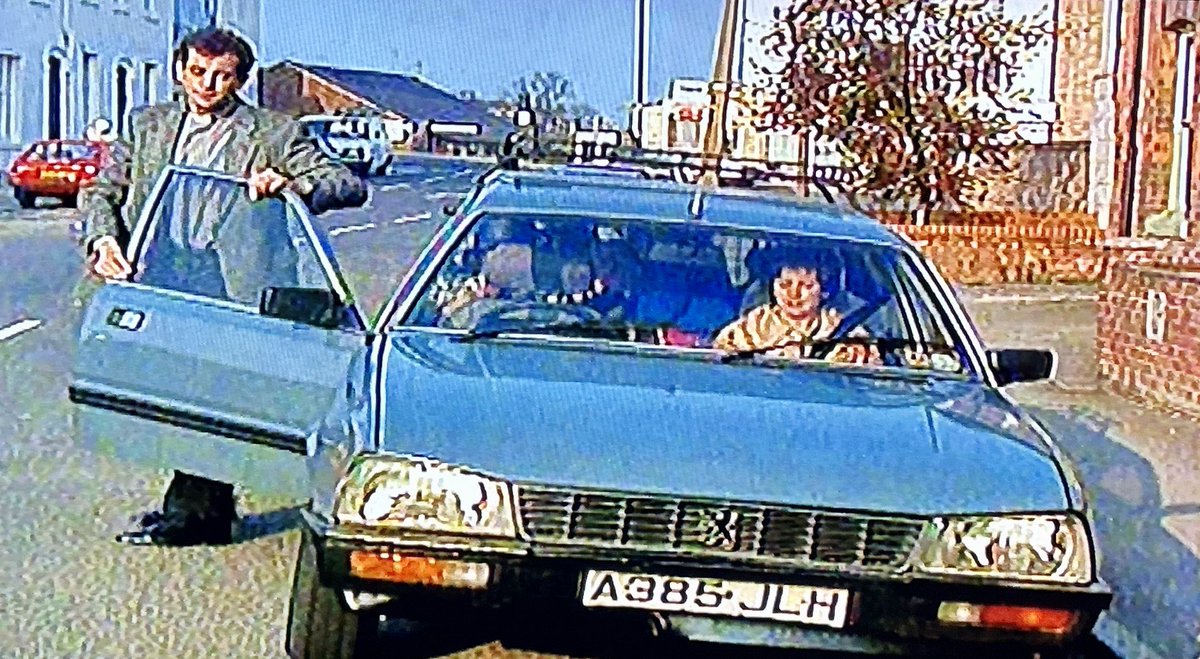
x=311 y=306
x=1022 y=365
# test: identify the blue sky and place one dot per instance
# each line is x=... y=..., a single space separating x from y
x=486 y=44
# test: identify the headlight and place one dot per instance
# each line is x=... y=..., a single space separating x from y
x=411 y=493
x=1032 y=548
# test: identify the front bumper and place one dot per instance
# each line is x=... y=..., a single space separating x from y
x=889 y=614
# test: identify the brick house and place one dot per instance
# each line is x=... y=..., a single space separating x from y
x=1076 y=61
x=1149 y=322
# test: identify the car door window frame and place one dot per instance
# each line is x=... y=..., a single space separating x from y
x=934 y=293
x=404 y=297
x=139 y=243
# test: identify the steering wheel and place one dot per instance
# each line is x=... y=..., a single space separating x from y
x=537 y=313
x=851 y=322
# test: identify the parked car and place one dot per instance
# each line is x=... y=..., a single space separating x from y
x=361 y=143
x=54 y=168
x=539 y=420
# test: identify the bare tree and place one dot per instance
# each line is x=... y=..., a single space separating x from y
x=916 y=94
x=552 y=96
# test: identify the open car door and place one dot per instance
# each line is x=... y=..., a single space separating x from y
x=224 y=352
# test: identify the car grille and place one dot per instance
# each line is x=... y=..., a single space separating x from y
x=561 y=516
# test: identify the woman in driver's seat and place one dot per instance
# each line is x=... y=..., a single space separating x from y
x=795 y=317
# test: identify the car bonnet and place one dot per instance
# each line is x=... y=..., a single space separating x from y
x=651 y=421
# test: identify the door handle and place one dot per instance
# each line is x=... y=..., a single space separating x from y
x=126 y=319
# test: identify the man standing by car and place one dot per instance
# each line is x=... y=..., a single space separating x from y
x=212 y=128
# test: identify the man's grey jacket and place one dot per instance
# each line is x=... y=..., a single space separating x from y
x=112 y=203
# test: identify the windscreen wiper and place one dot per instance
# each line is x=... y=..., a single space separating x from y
x=473 y=334
x=887 y=344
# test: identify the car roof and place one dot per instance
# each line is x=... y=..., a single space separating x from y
x=623 y=171
x=66 y=142
x=621 y=196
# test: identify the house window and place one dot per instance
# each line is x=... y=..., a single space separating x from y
x=122 y=97
x=149 y=83
x=9 y=103
x=90 y=79
x=1178 y=203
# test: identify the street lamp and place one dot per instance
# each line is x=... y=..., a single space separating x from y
x=641 y=65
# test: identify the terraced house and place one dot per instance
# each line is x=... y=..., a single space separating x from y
x=64 y=63
x=1149 y=327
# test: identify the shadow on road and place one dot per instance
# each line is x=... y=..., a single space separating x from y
x=261 y=525
x=1152 y=573
x=619 y=635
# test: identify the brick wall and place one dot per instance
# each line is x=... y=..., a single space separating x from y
x=1147 y=63
x=1037 y=177
x=1156 y=129
x=1079 y=32
x=290 y=90
x=999 y=248
x=1167 y=371
x=328 y=98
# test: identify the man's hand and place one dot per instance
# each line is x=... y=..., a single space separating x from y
x=107 y=260
x=266 y=183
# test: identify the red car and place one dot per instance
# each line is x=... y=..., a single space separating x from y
x=55 y=168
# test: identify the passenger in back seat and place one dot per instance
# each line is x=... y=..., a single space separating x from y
x=582 y=270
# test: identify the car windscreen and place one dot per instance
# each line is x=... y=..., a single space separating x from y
x=689 y=285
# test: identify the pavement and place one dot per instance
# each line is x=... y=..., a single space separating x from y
x=1140 y=466
x=71 y=592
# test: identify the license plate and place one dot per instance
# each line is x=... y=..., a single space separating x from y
x=735 y=599
x=54 y=175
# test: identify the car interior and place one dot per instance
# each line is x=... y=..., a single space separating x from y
x=670 y=277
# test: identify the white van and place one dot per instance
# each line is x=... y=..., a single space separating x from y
x=361 y=143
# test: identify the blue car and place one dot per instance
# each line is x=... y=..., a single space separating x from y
x=734 y=417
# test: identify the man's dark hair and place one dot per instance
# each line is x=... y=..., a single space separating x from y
x=214 y=42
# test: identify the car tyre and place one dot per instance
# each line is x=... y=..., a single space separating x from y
x=70 y=201
x=320 y=624
x=25 y=198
